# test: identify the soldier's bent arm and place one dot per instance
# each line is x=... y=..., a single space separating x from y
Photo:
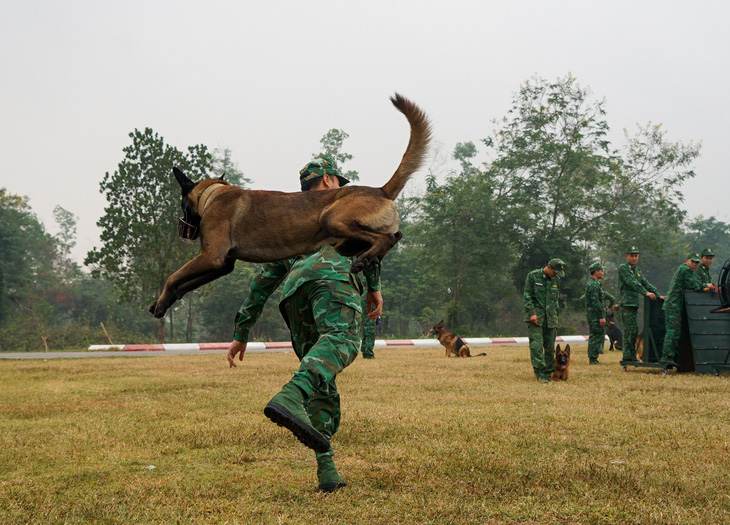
x=262 y=286
x=630 y=280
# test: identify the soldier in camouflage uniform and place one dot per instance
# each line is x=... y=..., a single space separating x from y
x=631 y=285
x=595 y=303
x=702 y=275
x=540 y=300
x=683 y=279
x=368 y=334
x=323 y=309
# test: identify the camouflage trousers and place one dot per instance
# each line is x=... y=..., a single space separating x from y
x=673 y=325
x=325 y=333
x=596 y=338
x=630 y=329
x=542 y=349
x=368 y=333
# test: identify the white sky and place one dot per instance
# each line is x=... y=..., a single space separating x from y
x=268 y=78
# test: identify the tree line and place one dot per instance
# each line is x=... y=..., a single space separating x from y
x=546 y=183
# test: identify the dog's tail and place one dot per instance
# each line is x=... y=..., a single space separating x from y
x=417 y=146
x=479 y=355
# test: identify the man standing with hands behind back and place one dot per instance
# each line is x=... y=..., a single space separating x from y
x=540 y=300
x=631 y=285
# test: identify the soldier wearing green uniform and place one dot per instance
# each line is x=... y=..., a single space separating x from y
x=540 y=300
x=323 y=309
x=683 y=279
x=631 y=285
x=702 y=275
x=595 y=303
x=368 y=334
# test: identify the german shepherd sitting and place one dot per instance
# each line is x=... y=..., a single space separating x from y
x=266 y=226
x=615 y=337
x=562 y=363
x=452 y=342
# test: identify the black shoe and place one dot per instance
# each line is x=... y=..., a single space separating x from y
x=332 y=487
x=593 y=362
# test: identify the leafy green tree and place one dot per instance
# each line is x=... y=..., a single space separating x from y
x=332 y=146
x=140 y=247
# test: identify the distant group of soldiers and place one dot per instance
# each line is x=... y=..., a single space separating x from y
x=542 y=288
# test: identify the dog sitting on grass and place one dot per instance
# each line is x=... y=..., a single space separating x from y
x=562 y=363
x=452 y=342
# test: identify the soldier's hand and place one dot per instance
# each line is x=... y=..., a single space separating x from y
x=375 y=304
x=712 y=287
x=533 y=319
x=602 y=321
x=235 y=348
x=615 y=307
x=651 y=295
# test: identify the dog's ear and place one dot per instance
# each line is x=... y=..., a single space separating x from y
x=557 y=349
x=567 y=349
x=185 y=183
x=221 y=177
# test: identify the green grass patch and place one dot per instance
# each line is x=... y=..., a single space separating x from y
x=424 y=439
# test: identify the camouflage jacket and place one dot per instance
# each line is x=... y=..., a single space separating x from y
x=702 y=275
x=324 y=264
x=683 y=279
x=595 y=299
x=541 y=298
x=631 y=284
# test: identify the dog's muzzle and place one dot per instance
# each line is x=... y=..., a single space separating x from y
x=187 y=232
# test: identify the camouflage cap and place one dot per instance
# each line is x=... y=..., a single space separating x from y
x=694 y=257
x=632 y=249
x=320 y=167
x=707 y=252
x=558 y=265
x=595 y=267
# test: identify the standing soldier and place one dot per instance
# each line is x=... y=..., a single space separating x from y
x=540 y=300
x=631 y=285
x=595 y=303
x=683 y=279
x=368 y=333
x=702 y=274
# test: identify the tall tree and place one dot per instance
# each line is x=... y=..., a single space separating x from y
x=140 y=247
x=332 y=146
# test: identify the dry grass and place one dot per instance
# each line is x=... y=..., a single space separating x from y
x=423 y=440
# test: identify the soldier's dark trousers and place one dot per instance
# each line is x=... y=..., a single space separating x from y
x=325 y=334
x=630 y=329
x=596 y=338
x=542 y=349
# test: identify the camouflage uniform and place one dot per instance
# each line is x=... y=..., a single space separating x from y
x=631 y=284
x=541 y=298
x=702 y=276
x=323 y=309
x=683 y=279
x=595 y=305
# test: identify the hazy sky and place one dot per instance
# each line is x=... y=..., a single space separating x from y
x=268 y=78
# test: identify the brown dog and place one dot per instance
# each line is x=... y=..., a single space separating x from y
x=562 y=363
x=452 y=342
x=267 y=226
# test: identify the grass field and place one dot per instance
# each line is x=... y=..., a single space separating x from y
x=423 y=440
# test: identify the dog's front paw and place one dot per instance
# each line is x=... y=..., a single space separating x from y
x=156 y=310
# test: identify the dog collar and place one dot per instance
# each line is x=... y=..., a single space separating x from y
x=205 y=196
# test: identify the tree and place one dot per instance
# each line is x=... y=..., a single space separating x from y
x=331 y=146
x=140 y=247
x=554 y=163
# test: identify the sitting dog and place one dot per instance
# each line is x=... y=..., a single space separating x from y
x=452 y=342
x=266 y=226
x=615 y=336
x=562 y=363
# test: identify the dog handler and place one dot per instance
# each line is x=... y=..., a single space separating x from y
x=323 y=309
x=540 y=300
x=595 y=303
x=631 y=284
x=683 y=279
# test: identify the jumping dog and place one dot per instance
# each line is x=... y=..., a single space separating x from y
x=266 y=226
